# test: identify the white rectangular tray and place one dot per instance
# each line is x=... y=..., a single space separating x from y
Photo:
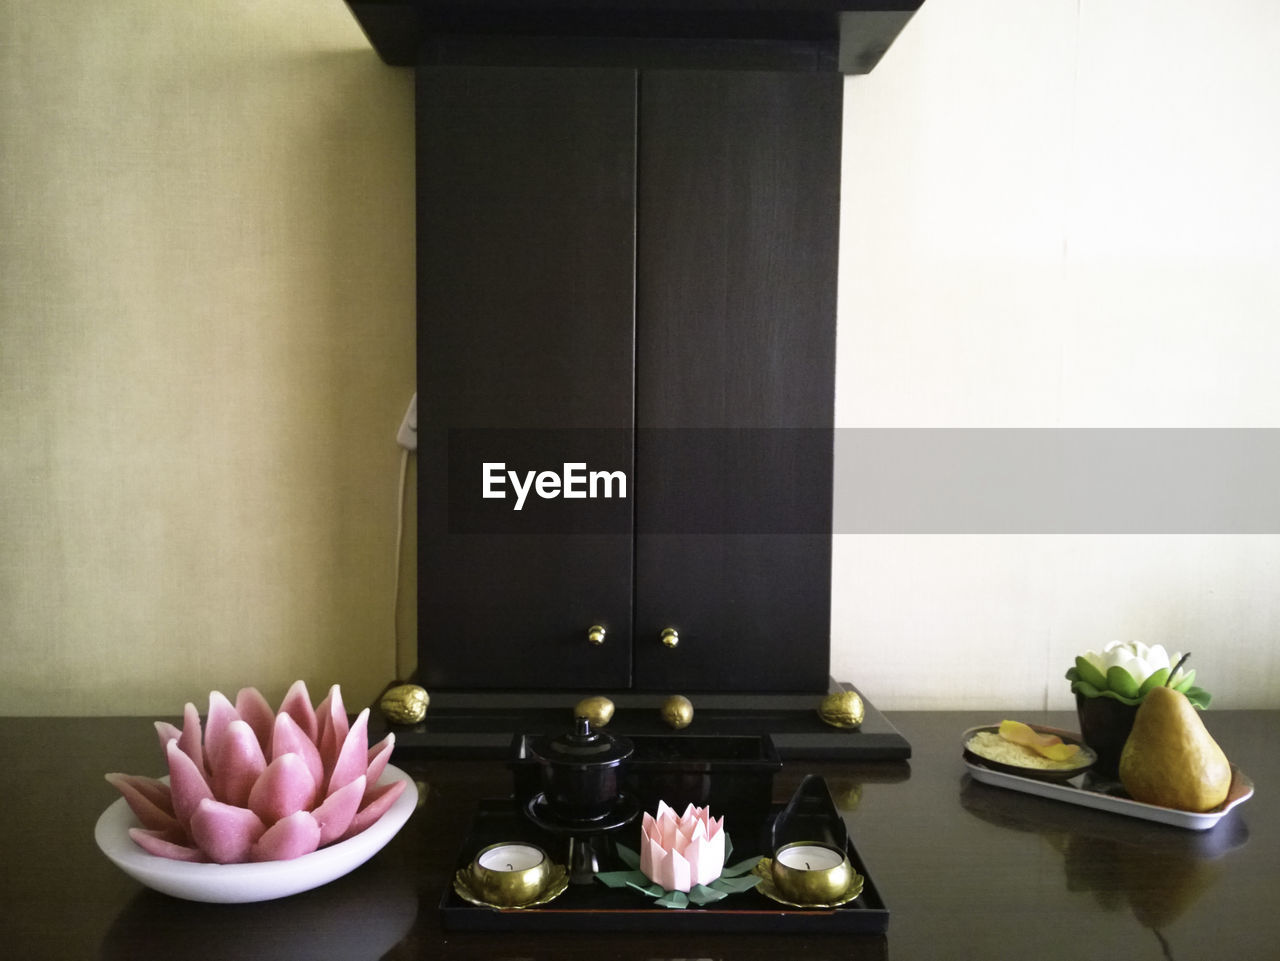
x=1073 y=793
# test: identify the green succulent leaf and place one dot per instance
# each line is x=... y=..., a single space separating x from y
x=1157 y=679
x=1132 y=701
x=1090 y=674
x=1122 y=682
x=1085 y=688
x=1188 y=679
x=1198 y=697
x=1080 y=686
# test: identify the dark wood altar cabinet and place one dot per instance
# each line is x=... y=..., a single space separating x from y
x=628 y=220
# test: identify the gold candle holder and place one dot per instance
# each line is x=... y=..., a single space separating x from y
x=510 y=873
x=808 y=872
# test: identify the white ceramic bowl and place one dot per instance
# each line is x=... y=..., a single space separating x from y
x=258 y=881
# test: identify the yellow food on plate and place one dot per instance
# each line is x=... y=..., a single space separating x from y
x=993 y=747
x=1048 y=745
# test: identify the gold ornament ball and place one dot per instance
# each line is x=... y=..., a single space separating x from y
x=598 y=710
x=677 y=711
x=846 y=792
x=842 y=709
x=404 y=704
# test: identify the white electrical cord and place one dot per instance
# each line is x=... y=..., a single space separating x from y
x=395 y=605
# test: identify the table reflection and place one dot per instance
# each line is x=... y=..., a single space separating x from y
x=360 y=916
x=1155 y=871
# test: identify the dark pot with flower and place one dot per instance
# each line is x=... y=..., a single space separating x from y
x=1110 y=686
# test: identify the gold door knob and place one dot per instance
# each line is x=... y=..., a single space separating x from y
x=670 y=637
x=595 y=634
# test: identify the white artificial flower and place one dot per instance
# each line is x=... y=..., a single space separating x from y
x=1137 y=659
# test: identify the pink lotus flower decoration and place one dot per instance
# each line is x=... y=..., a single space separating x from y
x=678 y=853
x=260 y=785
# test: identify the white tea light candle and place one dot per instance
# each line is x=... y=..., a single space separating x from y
x=510 y=857
x=810 y=857
x=810 y=873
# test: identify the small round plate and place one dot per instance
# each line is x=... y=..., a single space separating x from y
x=1040 y=774
x=556 y=886
x=764 y=871
x=539 y=812
x=257 y=881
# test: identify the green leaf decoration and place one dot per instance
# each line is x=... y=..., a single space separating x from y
x=673 y=899
x=1121 y=681
x=620 y=879
x=733 y=880
x=1080 y=686
x=742 y=867
x=1156 y=679
x=628 y=857
x=645 y=886
x=702 y=895
x=735 y=885
x=1198 y=696
x=1090 y=674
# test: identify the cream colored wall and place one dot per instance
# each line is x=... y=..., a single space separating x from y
x=1061 y=214
x=1055 y=214
x=206 y=346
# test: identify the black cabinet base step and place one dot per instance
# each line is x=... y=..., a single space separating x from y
x=482 y=724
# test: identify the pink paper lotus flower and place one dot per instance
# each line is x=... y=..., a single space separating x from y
x=679 y=853
x=258 y=785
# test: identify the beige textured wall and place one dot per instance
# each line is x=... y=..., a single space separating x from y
x=206 y=346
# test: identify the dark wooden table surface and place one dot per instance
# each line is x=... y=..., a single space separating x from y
x=967 y=870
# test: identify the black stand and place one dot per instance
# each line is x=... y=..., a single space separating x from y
x=588 y=843
x=481 y=724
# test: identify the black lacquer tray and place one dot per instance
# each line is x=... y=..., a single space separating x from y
x=595 y=907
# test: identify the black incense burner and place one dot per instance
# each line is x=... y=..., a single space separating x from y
x=581 y=798
x=581 y=772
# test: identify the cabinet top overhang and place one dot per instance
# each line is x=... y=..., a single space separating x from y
x=849 y=35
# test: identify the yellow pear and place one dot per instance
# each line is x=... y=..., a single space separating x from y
x=1170 y=759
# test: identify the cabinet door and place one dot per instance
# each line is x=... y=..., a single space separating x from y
x=737 y=260
x=526 y=251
